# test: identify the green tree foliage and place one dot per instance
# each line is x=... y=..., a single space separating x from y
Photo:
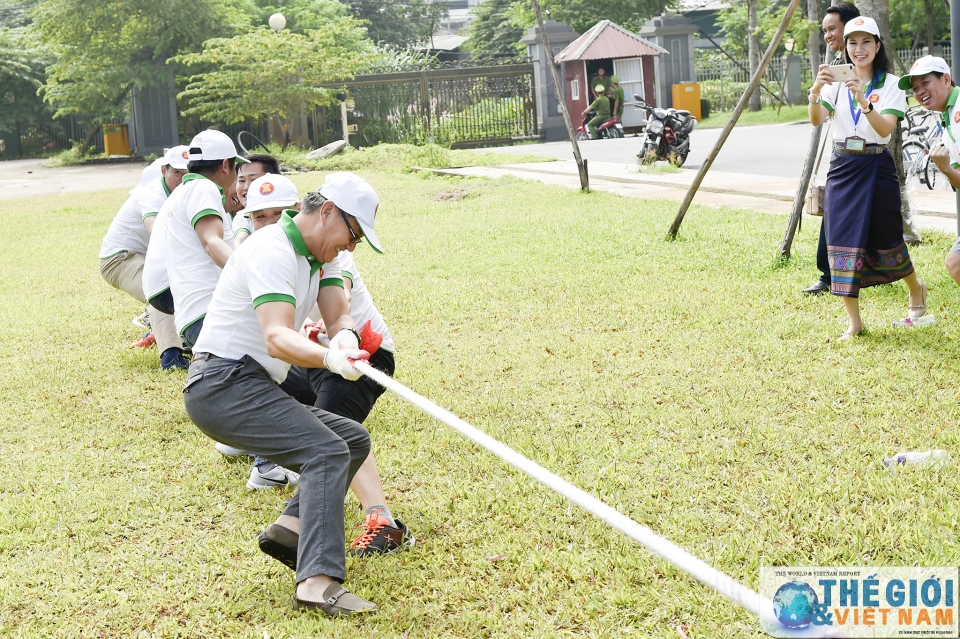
x=493 y=30
x=301 y=15
x=733 y=24
x=107 y=47
x=583 y=14
x=399 y=23
x=23 y=61
x=264 y=73
x=912 y=22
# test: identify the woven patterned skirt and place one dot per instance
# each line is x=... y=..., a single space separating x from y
x=864 y=226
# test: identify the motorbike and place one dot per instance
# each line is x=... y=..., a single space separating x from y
x=609 y=129
x=666 y=134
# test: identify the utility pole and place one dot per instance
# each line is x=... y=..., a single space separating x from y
x=559 y=89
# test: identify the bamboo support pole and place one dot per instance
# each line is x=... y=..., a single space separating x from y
x=741 y=105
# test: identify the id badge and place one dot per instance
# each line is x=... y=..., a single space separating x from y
x=855 y=144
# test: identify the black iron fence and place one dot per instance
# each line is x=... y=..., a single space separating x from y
x=458 y=104
x=457 y=107
x=47 y=136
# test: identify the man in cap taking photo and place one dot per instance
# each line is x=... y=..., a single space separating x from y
x=933 y=87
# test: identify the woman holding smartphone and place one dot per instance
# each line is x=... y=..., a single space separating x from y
x=864 y=228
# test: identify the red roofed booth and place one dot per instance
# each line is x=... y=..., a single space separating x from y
x=619 y=52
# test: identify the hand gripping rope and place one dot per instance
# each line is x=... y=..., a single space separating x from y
x=722 y=583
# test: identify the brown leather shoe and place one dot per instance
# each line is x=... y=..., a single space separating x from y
x=338 y=601
x=281 y=544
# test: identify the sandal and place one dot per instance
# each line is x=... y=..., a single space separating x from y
x=338 y=601
x=915 y=312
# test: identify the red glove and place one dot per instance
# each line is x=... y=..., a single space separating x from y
x=370 y=340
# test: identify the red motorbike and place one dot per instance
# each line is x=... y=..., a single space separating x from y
x=609 y=129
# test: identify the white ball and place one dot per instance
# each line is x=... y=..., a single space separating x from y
x=277 y=21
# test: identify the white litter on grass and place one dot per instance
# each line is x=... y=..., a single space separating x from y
x=725 y=585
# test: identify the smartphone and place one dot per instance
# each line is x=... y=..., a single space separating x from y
x=843 y=72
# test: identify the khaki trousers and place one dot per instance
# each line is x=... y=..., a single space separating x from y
x=125 y=272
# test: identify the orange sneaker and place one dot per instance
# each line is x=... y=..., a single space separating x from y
x=380 y=538
x=146 y=341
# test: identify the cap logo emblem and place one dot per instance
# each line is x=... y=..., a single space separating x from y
x=186 y=156
x=858 y=21
x=916 y=65
x=874 y=98
x=266 y=188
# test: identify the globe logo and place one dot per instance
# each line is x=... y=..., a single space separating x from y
x=793 y=604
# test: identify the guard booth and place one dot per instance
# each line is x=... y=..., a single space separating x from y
x=618 y=52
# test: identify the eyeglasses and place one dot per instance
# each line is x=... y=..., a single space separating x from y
x=356 y=239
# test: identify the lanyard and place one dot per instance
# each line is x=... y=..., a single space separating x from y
x=855 y=111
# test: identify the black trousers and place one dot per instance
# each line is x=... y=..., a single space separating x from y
x=823 y=264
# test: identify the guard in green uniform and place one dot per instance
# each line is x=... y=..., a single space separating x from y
x=615 y=95
x=600 y=79
x=602 y=106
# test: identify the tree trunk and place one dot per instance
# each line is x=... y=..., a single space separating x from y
x=879 y=10
x=754 y=50
x=813 y=43
x=91 y=138
x=928 y=7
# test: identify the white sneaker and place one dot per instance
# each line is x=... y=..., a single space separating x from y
x=230 y=451
x=268 y=476
x=142 y=320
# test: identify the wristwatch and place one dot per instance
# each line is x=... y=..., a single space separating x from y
x=869 y=107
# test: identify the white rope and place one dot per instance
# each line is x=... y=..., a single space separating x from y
x=722 y=583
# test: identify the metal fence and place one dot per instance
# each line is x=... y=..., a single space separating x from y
x=723 y=81
x=457 y=107
x=47 y=136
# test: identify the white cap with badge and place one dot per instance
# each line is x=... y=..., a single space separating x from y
x=177 y=157
x=861 y=24
x=923 y=66
x=354 y=196
x=213 y=145
x=270 y=191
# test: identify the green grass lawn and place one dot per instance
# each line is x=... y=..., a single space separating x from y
x=687 y=384
x=766 y=115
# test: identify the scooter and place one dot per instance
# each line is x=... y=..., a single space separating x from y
x=666 y=135
x=609 y=129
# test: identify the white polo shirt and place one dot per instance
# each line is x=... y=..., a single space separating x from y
x=193 y=274
x=242 y=224
x=155 y=277
x=127 y=232
x=362 y=308
x=951 y=127
x=886 y=97
x=273 y=265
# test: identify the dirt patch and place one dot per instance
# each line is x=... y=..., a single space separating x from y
x=451 y=196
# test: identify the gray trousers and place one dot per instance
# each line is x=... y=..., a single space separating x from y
x=239 y=404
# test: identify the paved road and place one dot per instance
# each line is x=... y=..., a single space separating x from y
x=26 y=178
x=773 y=149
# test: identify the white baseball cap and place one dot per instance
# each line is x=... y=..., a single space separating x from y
x=270 y=191
x=354 y=196
x=177 y=157
x=151 y=173
x=861 y=24
x=923 y=66
x=212 y=145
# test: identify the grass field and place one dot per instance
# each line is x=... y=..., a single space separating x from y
x=687 y=384
x=766 y=115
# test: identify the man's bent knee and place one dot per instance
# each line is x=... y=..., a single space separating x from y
x=953 y=265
